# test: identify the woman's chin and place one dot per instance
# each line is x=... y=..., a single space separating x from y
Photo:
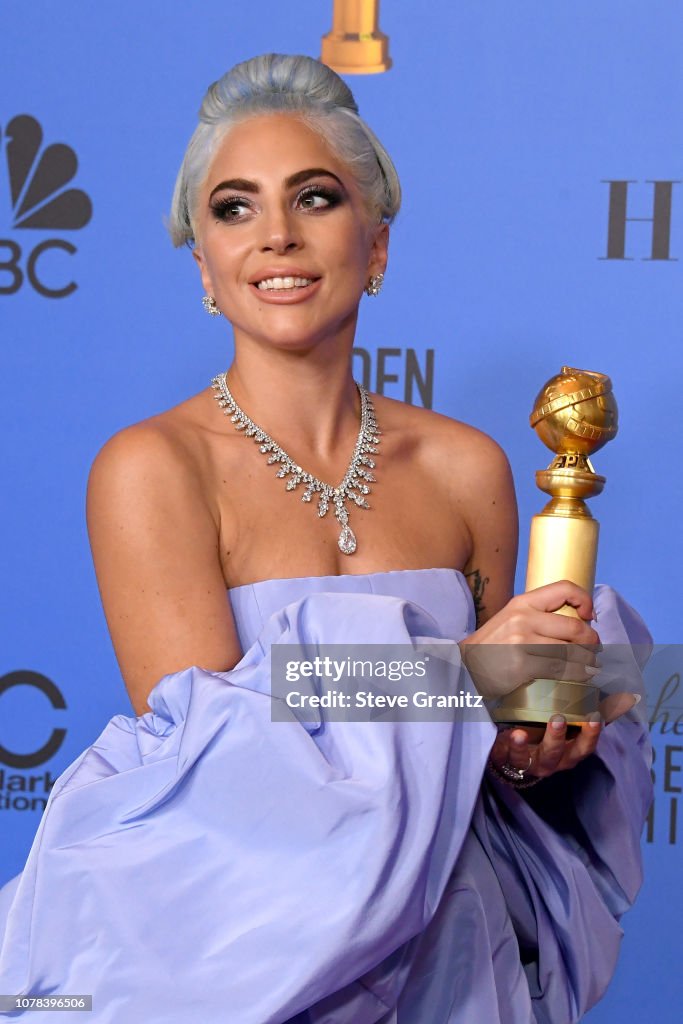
x=289 y=333
x=294 y=342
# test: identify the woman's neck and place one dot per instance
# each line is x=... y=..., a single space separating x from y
x=309 y=399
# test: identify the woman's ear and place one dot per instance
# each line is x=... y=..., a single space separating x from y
x=379 y=250
x=203 y=270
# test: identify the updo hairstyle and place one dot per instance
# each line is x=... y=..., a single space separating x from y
x=276 y=83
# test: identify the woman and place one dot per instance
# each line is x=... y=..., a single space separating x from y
x=202 y=862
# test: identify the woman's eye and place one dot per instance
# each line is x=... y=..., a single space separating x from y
x=236 y=208
x=230 y=208
x=318 y=198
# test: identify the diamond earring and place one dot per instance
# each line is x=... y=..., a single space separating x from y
x=374 y=285
x=209 y=304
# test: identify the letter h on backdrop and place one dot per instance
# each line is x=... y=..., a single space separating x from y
x=660 y=220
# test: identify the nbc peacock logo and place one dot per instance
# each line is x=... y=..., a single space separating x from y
x=38 y=177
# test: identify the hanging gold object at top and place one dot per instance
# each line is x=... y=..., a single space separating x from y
x=355 y=46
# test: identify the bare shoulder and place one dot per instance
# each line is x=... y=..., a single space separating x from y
x=441 y=437
x=151 y=443
x=163 y=447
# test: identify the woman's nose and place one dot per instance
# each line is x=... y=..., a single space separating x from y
x=280 y=231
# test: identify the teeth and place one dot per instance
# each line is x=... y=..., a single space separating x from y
x=283 y=283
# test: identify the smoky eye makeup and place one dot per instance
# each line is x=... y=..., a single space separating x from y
x=224 y=207
x=332 y=196
x=232 y=208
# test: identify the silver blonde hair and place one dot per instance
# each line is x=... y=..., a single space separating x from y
x=276 y=83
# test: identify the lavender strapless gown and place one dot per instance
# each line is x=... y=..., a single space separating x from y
x=203 y=863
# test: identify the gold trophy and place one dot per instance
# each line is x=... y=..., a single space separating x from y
x=355 y=46
x=575 y=414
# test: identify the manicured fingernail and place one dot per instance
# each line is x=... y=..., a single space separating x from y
x=594 y=719
x=558 y=722
x=519 y=738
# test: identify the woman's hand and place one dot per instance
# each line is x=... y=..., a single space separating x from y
x=516 y=747
x=540 y=753
x=525 y=640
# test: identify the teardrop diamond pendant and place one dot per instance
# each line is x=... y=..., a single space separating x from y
x=347 y=540
x=358 y=477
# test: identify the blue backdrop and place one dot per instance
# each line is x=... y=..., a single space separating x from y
x=539 y=148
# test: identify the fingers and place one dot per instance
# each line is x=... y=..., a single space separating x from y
x=585 y=743
x=501 y=753
x=581 y=654
x=561 y=661
x=497 y=654
x=617 y=704
x=512 y=747
x=548 y=755
x=551 y=750
x=553 y=596
x=550 y=628
x=554 y=752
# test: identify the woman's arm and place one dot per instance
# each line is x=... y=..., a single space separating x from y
x=154 y=544
x=489 y=506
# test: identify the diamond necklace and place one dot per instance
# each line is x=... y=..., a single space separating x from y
x=357 y=479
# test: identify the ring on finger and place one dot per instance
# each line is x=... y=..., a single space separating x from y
x=515 y=774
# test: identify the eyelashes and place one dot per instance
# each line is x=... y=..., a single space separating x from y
x=228 y=207
x=332 y=196
x=235 y=208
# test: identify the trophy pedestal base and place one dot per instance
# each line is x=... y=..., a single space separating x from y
x=536 y=702
x=356 y=53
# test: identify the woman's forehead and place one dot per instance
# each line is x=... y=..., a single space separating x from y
x=273 y=147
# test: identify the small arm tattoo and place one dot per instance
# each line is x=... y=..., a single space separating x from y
x=477 y=583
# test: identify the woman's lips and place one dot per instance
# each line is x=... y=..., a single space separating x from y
x=286 y=296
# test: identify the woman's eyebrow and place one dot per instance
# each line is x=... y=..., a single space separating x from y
x=244 y=185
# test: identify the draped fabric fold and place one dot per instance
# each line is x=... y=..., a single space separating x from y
x=205 y=862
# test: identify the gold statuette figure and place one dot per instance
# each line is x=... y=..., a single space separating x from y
x=355 y=46
x=575 y=414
